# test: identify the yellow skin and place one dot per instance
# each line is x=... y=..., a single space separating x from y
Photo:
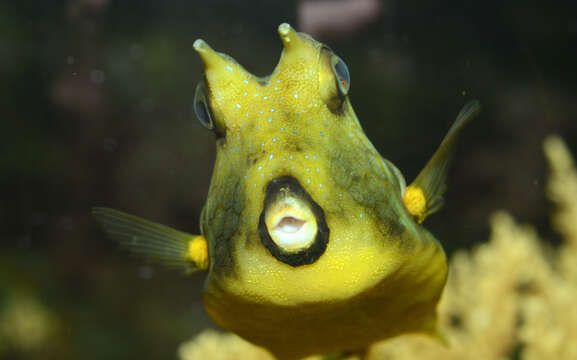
x=381 y=273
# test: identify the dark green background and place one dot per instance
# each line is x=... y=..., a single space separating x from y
x=95 y=109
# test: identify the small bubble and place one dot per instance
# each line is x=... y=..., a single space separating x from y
x=136 y=51
x=308 y=181
x=269 y=120
x=97 y=77
x=145 y=272
x=273 y=140
x=109 y=144
x=271 y=156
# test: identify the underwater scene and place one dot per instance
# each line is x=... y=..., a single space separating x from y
x=308 y=179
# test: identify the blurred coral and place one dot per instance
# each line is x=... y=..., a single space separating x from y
x=512 y=297
x=218 y=346
x=27 y=327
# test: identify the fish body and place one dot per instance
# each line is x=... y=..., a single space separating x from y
x=311 y=240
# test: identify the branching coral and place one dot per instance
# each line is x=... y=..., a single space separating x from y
x=512 y=297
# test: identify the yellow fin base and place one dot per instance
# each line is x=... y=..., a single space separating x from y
x=197 y=252
x=416 y=203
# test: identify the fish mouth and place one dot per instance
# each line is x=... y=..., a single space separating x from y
x=292 y=230
x=292 y=225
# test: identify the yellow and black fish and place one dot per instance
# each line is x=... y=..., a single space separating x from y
x=311 y=240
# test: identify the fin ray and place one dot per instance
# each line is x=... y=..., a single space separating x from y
x=424 y=196
x=155 y=242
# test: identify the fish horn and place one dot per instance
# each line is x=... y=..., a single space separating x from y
x=211 y=58
x=290 y=38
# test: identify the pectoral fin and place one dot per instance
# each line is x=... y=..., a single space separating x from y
x=155 y=242
x=425 y=195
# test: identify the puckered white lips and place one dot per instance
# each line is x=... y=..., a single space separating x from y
x=291 y=224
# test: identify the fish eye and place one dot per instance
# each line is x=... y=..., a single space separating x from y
x=342 y=73
x=334 y=80
x=201 y=108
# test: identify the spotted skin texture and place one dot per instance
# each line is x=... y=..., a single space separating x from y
x=381 y=274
